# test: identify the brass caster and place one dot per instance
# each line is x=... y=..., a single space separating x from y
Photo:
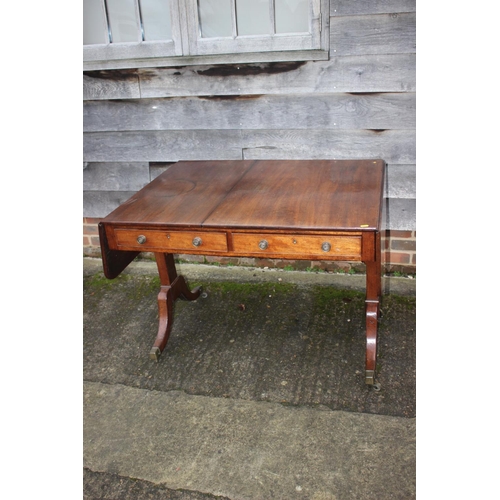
x=154 y=354
x=370 y=377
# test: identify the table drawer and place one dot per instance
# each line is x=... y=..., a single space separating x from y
x=297 y=245
x=171 y=241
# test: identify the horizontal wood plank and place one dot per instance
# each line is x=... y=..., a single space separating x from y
x=401 y=181
x=370 y=73
x=115 y=176
x=399 y=214
x=98 y=204
x=236 y=58
x=357 y=7
x=162 y=145
x=394 y=146
x=111 y=85
x=364 y=73
x=324 y=111
x=380 y=34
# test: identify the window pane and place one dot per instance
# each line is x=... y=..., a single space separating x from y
x=215 y=18
x=94 y=23
x=253 y=17
x=156 y=19
x=292 y=16
x=123 y=20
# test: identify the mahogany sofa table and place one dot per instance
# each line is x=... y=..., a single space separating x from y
x=293 y=209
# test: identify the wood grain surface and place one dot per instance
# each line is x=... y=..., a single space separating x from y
x=265 y=194
x=184 y=195
x=307 y=194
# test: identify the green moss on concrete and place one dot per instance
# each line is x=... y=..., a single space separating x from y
x=326 y=296
x=98 y=282
x=272 y=341
x=254 y=288
x=135 y=287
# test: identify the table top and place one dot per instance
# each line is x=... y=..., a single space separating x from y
x=261 y=194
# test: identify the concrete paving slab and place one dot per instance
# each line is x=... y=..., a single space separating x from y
x=244 y=402
x=247 y=449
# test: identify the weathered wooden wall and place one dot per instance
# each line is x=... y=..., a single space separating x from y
x=358 y=104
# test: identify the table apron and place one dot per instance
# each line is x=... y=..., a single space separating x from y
x=293 y=245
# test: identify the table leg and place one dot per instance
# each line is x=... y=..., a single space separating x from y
x=172 y=287
x=372 y=308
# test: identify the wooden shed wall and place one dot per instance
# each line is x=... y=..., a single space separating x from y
x=358 y=104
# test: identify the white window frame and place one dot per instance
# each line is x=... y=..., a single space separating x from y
x=139 y=49
x=188 y=47
x=253 y=43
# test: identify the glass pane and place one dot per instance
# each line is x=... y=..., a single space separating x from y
x=253 y=17
x=122 y=20
x=292 y=16
x=156 y=19
x=94 y=22
x=215 y=18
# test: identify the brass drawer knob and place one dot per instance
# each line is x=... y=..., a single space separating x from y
x=141 y=239
x=263 y=244
x=326 y=246
x=197 y=241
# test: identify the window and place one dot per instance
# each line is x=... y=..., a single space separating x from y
x=135 y=33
